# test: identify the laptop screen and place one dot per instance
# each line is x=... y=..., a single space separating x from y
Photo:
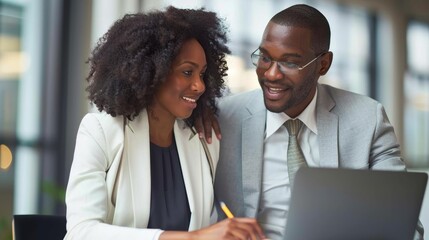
x=354 y=204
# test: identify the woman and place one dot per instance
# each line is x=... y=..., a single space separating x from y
x=139 y=171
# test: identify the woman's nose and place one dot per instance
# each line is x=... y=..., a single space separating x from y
x=198 y=85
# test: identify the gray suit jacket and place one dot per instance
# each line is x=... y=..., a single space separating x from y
x=353 y=132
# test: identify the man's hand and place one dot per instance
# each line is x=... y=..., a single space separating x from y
x=206 y=123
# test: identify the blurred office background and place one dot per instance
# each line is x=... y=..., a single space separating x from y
x=381 y=49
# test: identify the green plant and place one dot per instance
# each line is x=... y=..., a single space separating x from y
x=5 y=228
x=55 y=191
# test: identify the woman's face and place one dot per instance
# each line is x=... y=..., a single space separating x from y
x=178 y=95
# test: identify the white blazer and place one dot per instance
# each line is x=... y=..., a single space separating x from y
x=108 y=193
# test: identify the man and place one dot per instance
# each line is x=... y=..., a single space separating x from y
x=339 y=129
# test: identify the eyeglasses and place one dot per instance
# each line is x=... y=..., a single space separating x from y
x=264 y=62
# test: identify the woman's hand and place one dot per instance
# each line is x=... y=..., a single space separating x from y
x=232 y=228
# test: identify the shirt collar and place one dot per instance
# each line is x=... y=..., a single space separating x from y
x=308 y=117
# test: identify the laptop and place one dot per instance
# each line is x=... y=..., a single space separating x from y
x=350 y=204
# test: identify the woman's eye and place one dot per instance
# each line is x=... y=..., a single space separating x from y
x=187 y=73
x=202 y=75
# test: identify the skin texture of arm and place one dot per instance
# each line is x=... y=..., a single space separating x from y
x=236 y=228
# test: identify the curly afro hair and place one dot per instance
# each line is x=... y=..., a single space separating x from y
x=132 y=60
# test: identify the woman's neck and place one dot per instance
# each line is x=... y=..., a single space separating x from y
x=160 y=128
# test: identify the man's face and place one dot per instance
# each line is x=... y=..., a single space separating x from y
x=286 y=89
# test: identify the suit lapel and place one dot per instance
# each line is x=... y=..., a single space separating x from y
x=253 y=129
x=138 y=165
x=189 y=149
x=327 y=127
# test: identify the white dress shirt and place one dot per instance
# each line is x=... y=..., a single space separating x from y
x=275 y=197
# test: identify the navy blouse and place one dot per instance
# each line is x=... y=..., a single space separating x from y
x=169 y=207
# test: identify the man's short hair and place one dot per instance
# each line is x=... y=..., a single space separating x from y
x=305 y=16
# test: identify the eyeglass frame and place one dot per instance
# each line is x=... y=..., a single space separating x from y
x=281 y=66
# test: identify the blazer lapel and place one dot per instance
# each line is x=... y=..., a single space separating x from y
x=189 y=149
x=253 y=129
x=327 y=127
x=137 y=163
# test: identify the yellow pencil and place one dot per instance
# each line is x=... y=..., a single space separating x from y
x=229 y=214
x=226 y=210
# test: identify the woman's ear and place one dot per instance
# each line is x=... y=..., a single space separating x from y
x=325 y=63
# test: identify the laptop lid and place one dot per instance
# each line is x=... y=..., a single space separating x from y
x=354 y=204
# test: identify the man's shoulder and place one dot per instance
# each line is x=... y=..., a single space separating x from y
x=241 y=99
x=348 y=105
x=342 y=96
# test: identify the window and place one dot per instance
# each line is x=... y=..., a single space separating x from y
x=350 y=41
x=11 y=67
x=416 y=92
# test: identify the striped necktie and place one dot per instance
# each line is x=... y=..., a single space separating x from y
x=295 y=157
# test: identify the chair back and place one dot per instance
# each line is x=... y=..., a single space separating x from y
x=35 y=227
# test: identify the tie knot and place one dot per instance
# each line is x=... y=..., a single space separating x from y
x=293 y=126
